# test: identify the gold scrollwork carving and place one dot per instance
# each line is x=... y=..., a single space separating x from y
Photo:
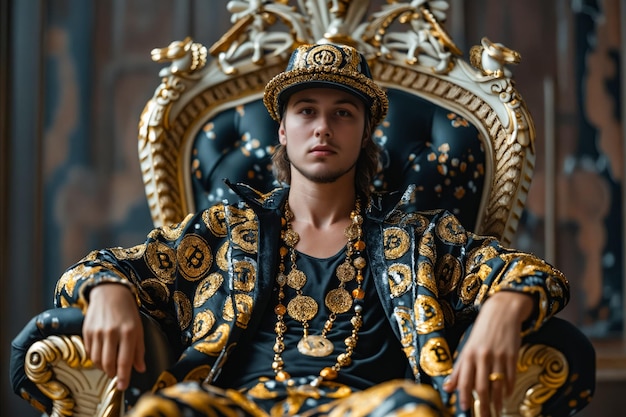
x=60 y=368
x=490 y=58
x=541 y=371
x=425 y=35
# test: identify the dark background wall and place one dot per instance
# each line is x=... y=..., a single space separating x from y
x=75 y=75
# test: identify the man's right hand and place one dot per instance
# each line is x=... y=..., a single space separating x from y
x=113 y=333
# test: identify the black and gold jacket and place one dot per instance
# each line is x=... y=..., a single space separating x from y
x=204 y=278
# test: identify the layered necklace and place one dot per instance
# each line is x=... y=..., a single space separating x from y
x=303 y=307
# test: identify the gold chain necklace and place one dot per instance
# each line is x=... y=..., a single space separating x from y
x=303 y=308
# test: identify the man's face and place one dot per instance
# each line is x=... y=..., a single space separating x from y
x=323 y=131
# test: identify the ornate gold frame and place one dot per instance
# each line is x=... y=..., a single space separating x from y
x=421 y=59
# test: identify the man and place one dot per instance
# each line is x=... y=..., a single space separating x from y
x=300 y=302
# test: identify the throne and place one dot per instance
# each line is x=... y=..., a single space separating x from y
x=458 y=129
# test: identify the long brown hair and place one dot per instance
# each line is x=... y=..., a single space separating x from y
x=366 y=165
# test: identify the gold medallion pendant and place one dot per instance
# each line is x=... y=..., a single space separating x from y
x=296 y=279
x=302 y=308
x=315 y=345
x=338 y=300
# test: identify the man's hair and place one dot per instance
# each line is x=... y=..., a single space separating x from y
x=366 y=166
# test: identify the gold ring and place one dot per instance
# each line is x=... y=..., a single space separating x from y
x=496 y=376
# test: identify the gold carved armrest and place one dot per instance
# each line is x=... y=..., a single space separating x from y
x=59 y=366
x=541 y=371
x=50 y=355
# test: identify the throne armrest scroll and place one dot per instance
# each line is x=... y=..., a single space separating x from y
x=50 y=368
x=555 y=373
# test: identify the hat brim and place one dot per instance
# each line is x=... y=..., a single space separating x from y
x=282 y=86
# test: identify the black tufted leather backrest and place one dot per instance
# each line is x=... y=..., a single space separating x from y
x=422 y=144
x=236 y=144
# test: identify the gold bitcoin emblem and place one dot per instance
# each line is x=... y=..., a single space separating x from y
x=435 y=358
x=162 y=261
x=194 y=257
x=396 y=242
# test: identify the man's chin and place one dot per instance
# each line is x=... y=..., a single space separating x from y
x=321 y=177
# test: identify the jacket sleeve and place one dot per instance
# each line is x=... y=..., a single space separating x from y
x=173 y=269
x=149 y=270
x=470 y=268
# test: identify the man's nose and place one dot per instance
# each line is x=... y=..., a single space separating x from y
x=323 y=127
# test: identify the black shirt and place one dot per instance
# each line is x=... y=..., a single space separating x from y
x=378 y=355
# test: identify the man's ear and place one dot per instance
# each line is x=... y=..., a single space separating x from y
x=282 y=136
x=367 y=135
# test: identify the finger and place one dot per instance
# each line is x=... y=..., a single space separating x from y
x=94 y=350
x=450 y=382
x=511 y=373
x=87 y=342
x=125 y=360
x=484 y=382
x=498 y=382
x=465 y=386
x=483 y=390
x=109 y=354
x=497 y=390
x=140 y=350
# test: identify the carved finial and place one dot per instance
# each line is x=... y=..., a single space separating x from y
x=491 y=58
x=186 y=56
